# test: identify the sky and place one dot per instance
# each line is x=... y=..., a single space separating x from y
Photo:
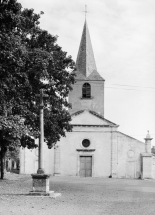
x=123 y=38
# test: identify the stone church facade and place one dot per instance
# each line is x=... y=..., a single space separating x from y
x=95 y=147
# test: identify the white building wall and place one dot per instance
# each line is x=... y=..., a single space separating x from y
x=29 y=160
x=129 y=156
x=64 y=159
x=153 y=167
x=69 y=156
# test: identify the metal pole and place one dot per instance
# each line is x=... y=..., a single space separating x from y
x=41 y=139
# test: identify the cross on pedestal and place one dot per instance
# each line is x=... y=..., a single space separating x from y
x=40 y=186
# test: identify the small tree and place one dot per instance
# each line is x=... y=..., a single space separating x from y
x=13 y=133
x=12 y=154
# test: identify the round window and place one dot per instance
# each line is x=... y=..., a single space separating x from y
x=86 y=143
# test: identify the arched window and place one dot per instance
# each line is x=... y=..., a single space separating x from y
x=86 y=90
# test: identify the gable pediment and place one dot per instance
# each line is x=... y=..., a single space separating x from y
x=90 y=118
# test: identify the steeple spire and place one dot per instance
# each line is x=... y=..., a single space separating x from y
x=85 y=62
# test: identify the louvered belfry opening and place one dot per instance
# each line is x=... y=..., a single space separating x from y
x=86 y=90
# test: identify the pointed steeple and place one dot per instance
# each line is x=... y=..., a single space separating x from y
x=85 y=63
x=92 y=96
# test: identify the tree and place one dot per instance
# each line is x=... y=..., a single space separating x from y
x=31 y=60
x=13 y=133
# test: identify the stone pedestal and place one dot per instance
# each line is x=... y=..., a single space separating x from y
x=147 y=159
x=146 y=166
x=40 y=182
x=40 y=186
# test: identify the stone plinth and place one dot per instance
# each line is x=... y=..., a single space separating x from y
x=146 y=166
x=40 y=183
x=40 y=186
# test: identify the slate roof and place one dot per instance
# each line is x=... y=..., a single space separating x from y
x=85 y=64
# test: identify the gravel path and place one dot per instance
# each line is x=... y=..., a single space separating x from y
x=80 y=196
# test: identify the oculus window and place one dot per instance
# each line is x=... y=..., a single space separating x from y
x=86 y=90
x=86 y=143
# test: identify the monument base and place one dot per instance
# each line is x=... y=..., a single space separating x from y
x=40 y=186
x=40 y=183
x=51 y=194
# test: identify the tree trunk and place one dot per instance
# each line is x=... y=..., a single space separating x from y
x=2 y=164
x=2 y=156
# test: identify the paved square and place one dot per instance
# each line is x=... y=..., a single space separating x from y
x=80 y=196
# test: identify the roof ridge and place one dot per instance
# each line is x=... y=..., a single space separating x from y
x=129 y=136
x=102 y=117
x=95 y=76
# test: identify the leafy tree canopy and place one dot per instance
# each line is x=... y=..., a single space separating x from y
x=30 y=60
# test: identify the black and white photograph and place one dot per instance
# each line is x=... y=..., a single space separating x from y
x=77 y=107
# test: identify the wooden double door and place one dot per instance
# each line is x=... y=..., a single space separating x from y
x=85 y=166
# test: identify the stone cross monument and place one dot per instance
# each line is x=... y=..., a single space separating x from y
x=40 y=185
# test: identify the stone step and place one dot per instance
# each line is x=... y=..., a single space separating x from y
x=41 y=193
x=44 y=194
x=55 y=195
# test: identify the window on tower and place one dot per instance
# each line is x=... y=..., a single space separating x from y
x=86 y=90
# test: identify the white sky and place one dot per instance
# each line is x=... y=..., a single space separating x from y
x=123 y=38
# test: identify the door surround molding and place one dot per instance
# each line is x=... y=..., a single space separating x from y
x=85 y=154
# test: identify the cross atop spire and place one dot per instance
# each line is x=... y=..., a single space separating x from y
x=85 y=11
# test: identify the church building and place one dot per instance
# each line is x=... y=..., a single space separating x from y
x=95 y=147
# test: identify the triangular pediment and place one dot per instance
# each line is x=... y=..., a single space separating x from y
x=88 y=117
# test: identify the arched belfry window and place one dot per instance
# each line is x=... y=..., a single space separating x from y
x=86 y=90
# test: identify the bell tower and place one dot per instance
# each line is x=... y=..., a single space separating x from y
x=88 y=91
